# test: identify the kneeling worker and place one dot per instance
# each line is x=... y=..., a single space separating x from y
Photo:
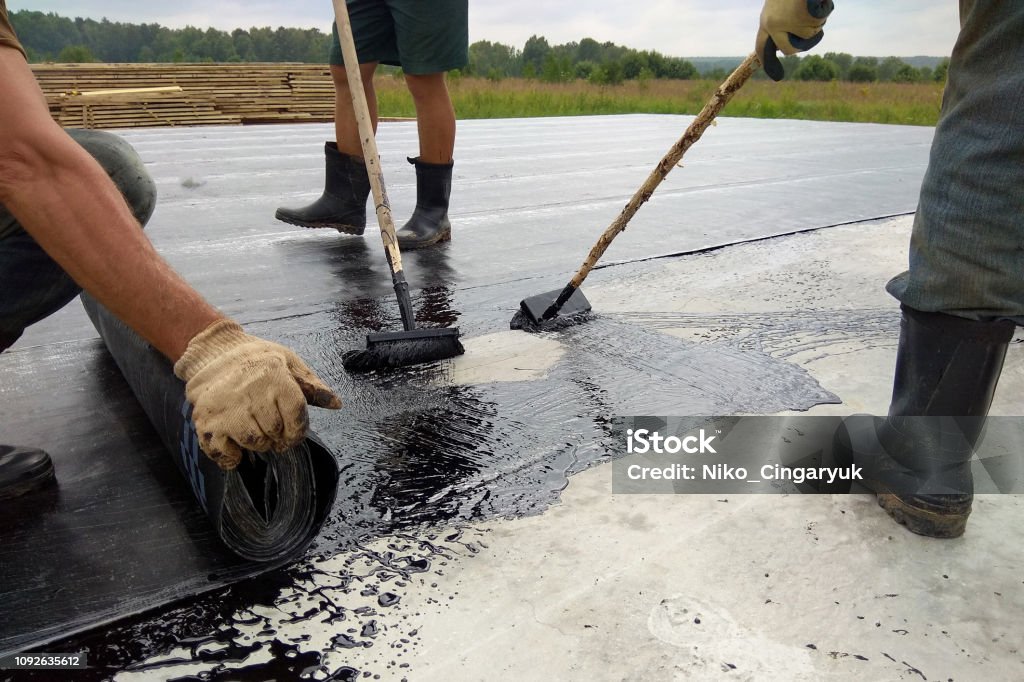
x=66 y=226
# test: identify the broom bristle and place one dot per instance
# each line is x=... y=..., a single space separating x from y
x=401 y=349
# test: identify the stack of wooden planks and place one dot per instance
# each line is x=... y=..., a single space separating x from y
x=146 y=95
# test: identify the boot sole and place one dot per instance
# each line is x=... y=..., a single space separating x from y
x=445 y=236
x=37 y=480
x=924 y=521
x=347 y=229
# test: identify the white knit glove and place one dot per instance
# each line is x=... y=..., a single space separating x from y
x=247 y=393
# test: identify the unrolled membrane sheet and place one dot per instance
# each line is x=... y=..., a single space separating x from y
x=151 y=519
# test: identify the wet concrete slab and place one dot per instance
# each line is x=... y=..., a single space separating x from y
x=604 y=586
x=411 y=579
x=749 y=586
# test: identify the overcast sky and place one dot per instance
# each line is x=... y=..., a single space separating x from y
x=682 y=28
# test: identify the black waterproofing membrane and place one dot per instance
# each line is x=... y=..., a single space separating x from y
x=271 y=505
x=125 y=526
x=123 y=531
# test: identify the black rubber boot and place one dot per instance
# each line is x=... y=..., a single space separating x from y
x=343 y=203
x=917 y=460
x=429 y=222
x=23 y=470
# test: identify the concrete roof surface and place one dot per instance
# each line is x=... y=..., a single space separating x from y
x=811 y=219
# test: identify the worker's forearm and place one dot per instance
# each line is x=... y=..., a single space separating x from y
x=73 y=210
x=246 y=392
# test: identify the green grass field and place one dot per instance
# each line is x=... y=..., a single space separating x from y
x=910 y=104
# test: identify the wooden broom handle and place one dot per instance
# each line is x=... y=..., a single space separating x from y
x=718 y=100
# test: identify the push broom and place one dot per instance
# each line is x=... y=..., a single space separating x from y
x=564 y=307
x=411 y=346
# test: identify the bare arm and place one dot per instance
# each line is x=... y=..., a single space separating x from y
x=246 y=392
x=64 y=199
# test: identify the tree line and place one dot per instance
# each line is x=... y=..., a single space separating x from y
x=50 y=37
x=834 y=66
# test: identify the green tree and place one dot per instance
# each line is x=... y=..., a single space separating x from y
x=584 y=69
x=556 y=69
x=632 y=64
x=606 y=74
x=889 y=67
x=906 y=74
x=644 y=77
x=841 y=59
x=941 y=71
x=680 y=69
x=589 y=50
x=815 y=68
x=45 y=34
x=535 y=50
x=486 y=57
x=242 y=42
x=862 y=73
x=613 y=73
x=76 y=54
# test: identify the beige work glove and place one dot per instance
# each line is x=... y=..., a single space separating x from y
x=247 y=393
x=789 y=26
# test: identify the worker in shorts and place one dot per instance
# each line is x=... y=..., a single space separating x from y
x=426 y=39
x=71 y=208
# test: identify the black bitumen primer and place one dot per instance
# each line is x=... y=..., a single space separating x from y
x=414 y=451
x=121 y=554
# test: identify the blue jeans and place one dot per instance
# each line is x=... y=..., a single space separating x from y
x=967 y=246
x=32 y=285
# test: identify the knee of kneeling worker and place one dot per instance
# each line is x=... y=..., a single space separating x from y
x=124 y=166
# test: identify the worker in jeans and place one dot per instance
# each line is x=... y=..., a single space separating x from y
x=963 y=294
x=71 y=207
x=426 y=39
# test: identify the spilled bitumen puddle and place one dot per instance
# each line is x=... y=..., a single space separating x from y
x=420 y=453
x=298 y=623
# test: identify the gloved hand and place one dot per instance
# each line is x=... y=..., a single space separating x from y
x=247 y=393
x=790 y=26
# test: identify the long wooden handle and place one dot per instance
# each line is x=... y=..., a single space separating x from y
x=721 y=97
x=366 y=137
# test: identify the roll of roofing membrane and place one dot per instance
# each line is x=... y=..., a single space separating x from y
x=272 y=505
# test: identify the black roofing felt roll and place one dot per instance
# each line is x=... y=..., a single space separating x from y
x=272 y=505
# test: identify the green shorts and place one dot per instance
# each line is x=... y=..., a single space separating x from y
x=421 y=37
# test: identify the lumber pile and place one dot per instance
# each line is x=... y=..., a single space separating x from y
x=146 y=95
